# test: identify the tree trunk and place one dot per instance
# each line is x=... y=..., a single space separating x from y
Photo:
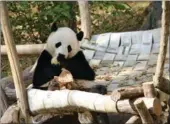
x=85 y=18
x=72 y=21
x=158 y=80
x=153 y=19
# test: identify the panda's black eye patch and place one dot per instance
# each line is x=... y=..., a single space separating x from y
x=69 y=48
x=58 y=44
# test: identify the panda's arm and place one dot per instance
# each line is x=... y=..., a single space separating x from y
x=44 y=70
x=79 y=67
x=81 y=70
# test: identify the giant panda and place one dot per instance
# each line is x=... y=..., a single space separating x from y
x=62 y=50
x=63 y=47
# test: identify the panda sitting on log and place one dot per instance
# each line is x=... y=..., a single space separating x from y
x=62 y=50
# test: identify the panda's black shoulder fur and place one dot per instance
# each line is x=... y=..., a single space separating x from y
x=79 y=67
x=44 y=70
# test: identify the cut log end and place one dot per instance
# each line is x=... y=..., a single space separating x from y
x=127 y=93
x=149 y=90
x=143 y=112
x=153 y=104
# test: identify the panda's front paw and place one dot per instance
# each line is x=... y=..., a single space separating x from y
x=54 y=61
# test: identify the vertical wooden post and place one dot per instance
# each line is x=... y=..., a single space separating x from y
x=85 y=18
x=163 y=44
x=14 y=62
x=0 y=51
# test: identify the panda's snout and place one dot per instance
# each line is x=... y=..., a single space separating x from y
x=60 y=57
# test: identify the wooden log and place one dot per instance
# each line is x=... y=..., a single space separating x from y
x=61 y=101
x=68 y=100
x=26 y=49
x=14 y=62
x=158 y=82
x=152 y=104
x=143 y=112
x=11 y=116
x=127 y=92
x=149 y=90
x=134 y=120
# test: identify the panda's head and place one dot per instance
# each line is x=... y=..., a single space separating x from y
x=63 y=42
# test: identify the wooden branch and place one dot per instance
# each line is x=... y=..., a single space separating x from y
x=163 y=44
x=127 y=92
x=134 y=120
x=26 y=49
x=14 y=62
x=149 y=90
x=143 y=112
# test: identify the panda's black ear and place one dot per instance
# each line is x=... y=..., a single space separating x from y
x=54 y=27
x=80 y=35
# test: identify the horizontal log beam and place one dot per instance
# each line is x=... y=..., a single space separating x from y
x=69 y=100
x=26 y=49
x=61 y=101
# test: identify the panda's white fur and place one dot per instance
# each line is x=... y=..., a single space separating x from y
x=68 y=39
